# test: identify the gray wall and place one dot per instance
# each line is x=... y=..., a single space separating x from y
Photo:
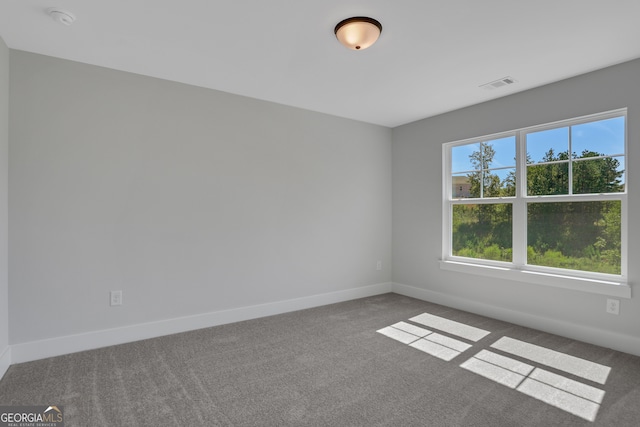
x=4 y=172
x=187 y=199
x=417 y=212
x=193 y=201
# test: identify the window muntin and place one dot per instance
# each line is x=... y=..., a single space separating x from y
x=591 y=179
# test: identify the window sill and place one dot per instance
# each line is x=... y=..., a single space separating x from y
x=609 y=288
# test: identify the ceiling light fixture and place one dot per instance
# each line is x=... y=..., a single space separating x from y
x=61 y=16
x=358 y=33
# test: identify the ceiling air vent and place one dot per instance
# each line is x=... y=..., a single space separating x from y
x=505 y=81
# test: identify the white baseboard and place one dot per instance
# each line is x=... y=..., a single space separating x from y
x=608 y=339
x=5 y=360
x=34 y=350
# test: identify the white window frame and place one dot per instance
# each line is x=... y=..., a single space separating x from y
x=518 y=269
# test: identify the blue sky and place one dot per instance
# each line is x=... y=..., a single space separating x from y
x=603 y=136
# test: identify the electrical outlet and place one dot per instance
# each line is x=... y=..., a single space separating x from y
x=379 y=265
x=613 y=306
x=116 y=298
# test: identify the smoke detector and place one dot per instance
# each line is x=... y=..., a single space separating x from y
x=62 y=16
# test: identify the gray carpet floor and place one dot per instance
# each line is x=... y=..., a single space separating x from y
x=326 y=366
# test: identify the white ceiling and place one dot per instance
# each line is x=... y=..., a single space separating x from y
x=431 y=58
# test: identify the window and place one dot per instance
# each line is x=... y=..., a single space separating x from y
x=549 y=199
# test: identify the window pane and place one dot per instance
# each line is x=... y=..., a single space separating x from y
x=623 y=177
x=603 y=137
x=578 y=236
x=484 y=169
x=507 y=186
x=505 y=152
x=544 y=180
x=461 y=186
x=548 y=145
x=604 y=175
x=486 y=183
x=482 y=231
x=461 y=157
x=492 y=154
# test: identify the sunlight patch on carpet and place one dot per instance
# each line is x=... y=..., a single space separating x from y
x=412 y=329
x=574 y=387
x=564 y=393
x=434 y=349
x=398 y=335
x=455 y=328
x=569 y=395
x=563 y=362
x=571 y=403
x=452 y=343
x=437 y=345
x=442 y=347
x=506 y=362
x=495 y=373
